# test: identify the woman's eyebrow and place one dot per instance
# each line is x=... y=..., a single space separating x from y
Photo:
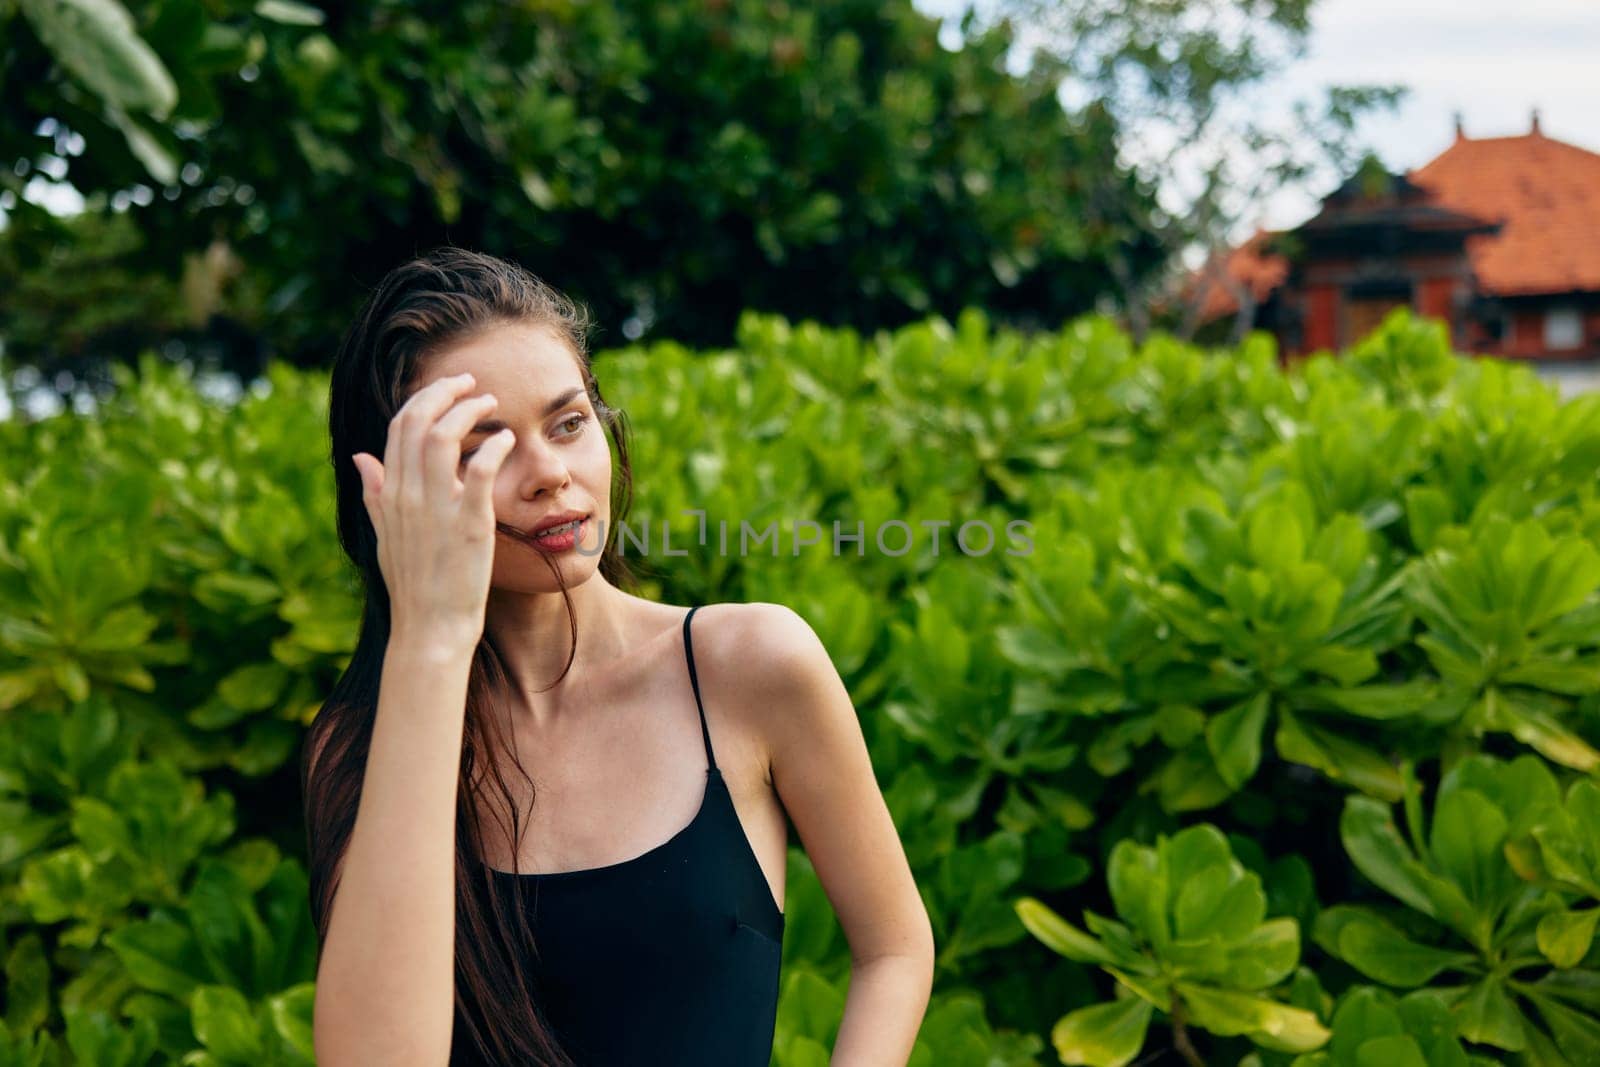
x=494 y=425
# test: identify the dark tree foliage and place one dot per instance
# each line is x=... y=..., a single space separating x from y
x=668 y=163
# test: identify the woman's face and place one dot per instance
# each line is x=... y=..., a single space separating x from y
x=560 y=461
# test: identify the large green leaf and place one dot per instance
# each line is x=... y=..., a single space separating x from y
x=1062 y=936
x=98 y=42
x=1374 y=845
x=1340 y=758
x=1234 y=739
x=1222 y=902
x=1565 y=936
x=1266 y=1022
x=1102 y=1035
x=161 y=955
x=1263 y=958
x=1467 y=836
x=1576 y=1034
x=225 y=1026
x=1139 y=885
x=1376 y=948
x=1568 y=840
x=1486 y=1014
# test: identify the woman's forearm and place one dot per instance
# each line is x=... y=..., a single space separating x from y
x=883 y=1011
x=385 y=983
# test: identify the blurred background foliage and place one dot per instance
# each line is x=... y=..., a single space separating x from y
x=668 y=163
x=247 y=170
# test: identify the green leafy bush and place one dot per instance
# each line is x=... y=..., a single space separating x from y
x=1494 y=938
x=1194 y=943
x=1254 y=613
x=1372 y=1027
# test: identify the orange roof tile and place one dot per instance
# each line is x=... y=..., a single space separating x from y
x=1249 y=263
x=1546 y=193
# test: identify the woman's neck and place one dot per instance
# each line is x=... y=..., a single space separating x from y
x=533 y=636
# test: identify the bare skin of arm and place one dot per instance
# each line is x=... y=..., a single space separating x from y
x=385 y=983
x=824 y=776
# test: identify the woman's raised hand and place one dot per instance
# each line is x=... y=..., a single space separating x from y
x=434 y=514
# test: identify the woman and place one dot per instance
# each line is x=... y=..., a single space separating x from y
x=635 y=913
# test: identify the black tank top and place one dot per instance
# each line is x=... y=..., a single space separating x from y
x=668 y=958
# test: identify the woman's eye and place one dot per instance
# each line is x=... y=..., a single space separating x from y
x=576 y=417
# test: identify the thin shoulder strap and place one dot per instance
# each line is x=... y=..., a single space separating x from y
x=694 y=680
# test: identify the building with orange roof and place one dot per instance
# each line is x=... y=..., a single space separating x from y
x=1253 y=265
x=1497 y=236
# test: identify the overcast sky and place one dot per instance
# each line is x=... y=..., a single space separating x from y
x=1494 y=61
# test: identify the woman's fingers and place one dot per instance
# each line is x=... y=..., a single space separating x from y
x=435 y=536
x=442 y=449
x=482 y=466
x=402 y=457
x=371 y=473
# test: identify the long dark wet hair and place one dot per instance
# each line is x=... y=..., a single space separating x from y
x=420 y=307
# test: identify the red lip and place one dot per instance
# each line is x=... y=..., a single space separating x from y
x=557 y=520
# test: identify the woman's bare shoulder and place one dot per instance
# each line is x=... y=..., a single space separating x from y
x=753 y=661
x=735 y=629
x=756 y=649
